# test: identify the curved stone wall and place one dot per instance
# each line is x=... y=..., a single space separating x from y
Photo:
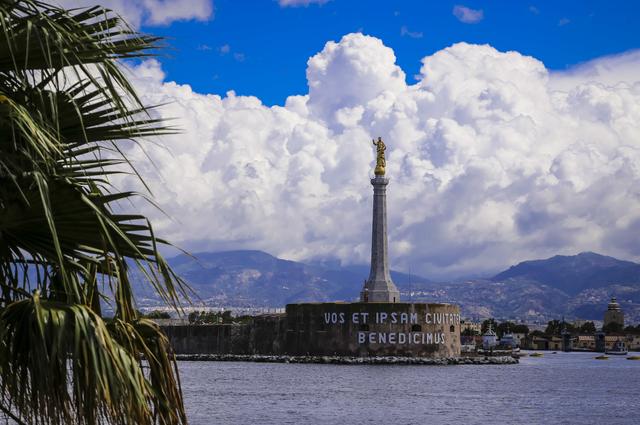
x=373 y=329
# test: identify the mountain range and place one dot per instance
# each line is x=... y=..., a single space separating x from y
x=577 y=286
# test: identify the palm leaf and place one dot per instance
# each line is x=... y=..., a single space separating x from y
x=65 y=107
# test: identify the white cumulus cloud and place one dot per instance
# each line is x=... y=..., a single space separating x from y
x=493 y=159
x=150 y=12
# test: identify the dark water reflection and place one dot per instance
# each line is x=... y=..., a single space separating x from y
x=564 y=388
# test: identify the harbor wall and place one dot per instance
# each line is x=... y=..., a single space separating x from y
x=373 y=329
x=332 y=329
x=263 y=335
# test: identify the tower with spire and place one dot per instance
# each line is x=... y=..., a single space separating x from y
x=614 y=314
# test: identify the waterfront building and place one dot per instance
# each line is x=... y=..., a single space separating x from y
x=614 y=314
x=470 y=325
x=539 y=343
x=555 y=343
x=471 y=343
x=633 y=342
x=520 y=338
x=610 y=340
x=585 y=342
x=605 y=342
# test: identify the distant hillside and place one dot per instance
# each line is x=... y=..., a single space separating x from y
x=574 y=286
x=255 y=278
x=574 y=274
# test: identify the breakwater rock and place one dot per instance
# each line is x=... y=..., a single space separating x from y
x=343 y=360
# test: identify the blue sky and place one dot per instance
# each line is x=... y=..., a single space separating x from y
x=260 y=48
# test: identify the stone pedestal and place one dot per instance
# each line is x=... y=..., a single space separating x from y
x=332 y=329
x=373 y=329
x=379 y=287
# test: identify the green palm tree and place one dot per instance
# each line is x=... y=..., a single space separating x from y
x=65 y=110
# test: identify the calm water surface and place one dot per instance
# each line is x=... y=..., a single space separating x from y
x=562 y=388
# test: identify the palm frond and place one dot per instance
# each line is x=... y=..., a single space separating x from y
x=48 y=347
x=65 y=108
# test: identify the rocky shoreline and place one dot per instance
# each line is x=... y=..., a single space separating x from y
x=389 y=360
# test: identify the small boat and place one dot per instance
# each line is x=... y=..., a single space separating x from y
x=602 y=357
x=619 y=349
x=535 y=355
x=633 y=358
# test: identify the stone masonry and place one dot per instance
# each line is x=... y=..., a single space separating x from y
x=379 y=287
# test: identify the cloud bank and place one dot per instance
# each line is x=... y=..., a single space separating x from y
x=150 y=12
x=493 y=159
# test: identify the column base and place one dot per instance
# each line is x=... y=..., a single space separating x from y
x=380 y=296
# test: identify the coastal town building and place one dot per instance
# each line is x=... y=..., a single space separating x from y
x=538 y=343
x=555 y=343
x=469 y=343
x=607 y=341
x=569 y=338
x=614 y=314
x=610 y=340
x=633 y=342
x=519 y=338
x=584 y=342
x=469 y=325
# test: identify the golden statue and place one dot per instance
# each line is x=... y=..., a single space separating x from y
x=380 y=161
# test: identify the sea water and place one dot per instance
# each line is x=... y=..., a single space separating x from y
x=563 y=388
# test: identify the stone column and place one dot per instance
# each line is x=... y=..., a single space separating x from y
x=379 y=287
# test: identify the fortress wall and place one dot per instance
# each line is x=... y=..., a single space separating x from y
x=208 y=339
x=261 y=336
x=328 y=329
x=373 y=329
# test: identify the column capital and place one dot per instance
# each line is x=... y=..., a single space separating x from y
x=380 y=180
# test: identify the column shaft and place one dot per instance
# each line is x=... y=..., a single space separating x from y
x=379 y=287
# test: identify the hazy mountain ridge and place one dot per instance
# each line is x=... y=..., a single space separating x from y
x=575 y=286
x=573 y=274
x=487 y=298
x=255 y=278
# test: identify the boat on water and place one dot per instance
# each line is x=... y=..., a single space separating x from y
x=633 y=358
x=619 y=349
x=536 y=355
x=601 y=357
